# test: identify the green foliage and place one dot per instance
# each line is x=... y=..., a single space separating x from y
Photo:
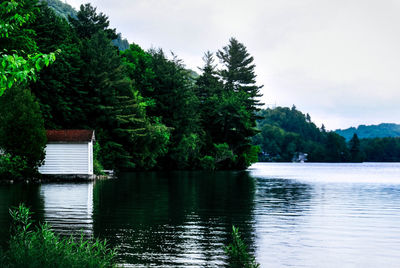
x=186 y=151
x=114 y=108
x=286 y=132
x=250 y=156
x=89 y=22
x=148 y=110
x=207 y=162
x=222 y=152
x=97 y=166
x=355 y=151
x=15 y=15
x=22 y=132
x=59 y=88
x=24 y=62
x=15 y=69
x=336 y=148
x=40 y=247
x=89 y=87
x=372 y=131
x=153 y=145
x=175 y=104
x=139 y=67
x=380 y=149
x=238 y=254
x=228 y=100
x=290 y=120
x=238 y=72
x=13 y=167
x=238 y=102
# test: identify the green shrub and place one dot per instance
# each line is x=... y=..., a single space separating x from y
x=250 y=156
x=207 y=162
x=97 y=166
x=237 y=251
x=13 y=167
x=42 y=248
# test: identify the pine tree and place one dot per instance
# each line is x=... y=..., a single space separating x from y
x=238 y=73
x=209 y=89
x=208 y=83
x=89 y=22
x=177 y=106
x=139 y=68
x=355 y=152
x=59 y=88
x=240 y=102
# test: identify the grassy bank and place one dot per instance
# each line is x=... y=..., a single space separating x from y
x=40 y=247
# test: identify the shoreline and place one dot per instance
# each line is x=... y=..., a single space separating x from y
x=57 y=178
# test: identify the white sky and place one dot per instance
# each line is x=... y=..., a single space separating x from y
x=337 y=60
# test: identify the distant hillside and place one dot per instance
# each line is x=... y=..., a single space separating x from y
x=62 y=9
x=65 y=10
x=372 y=131
x=286 y=134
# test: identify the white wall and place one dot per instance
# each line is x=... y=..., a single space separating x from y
x=68 y=158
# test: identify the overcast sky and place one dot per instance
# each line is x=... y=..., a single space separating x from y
x=337 y=60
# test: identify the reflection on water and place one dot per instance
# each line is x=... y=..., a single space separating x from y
x=291 y=215
x=346 y=215
x=68 y=207
x=174 y=219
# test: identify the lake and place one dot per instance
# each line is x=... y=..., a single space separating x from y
x=290 y=215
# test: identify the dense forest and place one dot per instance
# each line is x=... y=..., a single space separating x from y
x=67 y=69
x=286 y=134
x=373 y=131
x=148 y=110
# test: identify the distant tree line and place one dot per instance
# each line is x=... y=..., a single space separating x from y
x=373 y=131
x=285 y=133
x=148 y=110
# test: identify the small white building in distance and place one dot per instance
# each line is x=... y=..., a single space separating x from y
x=69 y=153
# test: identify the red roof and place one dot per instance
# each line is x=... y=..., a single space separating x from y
x=69 y=135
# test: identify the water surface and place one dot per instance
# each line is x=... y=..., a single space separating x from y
x=290 y=215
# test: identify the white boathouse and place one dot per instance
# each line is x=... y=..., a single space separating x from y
x=69 y=153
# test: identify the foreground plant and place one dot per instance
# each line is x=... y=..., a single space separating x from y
x=42 y=248
x=237 y=251
x=19 y=65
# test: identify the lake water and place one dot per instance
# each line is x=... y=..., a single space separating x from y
x=290 y=215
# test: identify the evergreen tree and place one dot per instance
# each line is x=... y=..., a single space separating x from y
x=208 y=83
x=355 y=152
x=209 y=89
x=240 y=102
x=238 y=72
x=59 y=87
x=154 y=144
x=139 y=68
x=336 y=149
x=89 y=22
x=176 y=104
x=104 y=81
x=51 y=30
